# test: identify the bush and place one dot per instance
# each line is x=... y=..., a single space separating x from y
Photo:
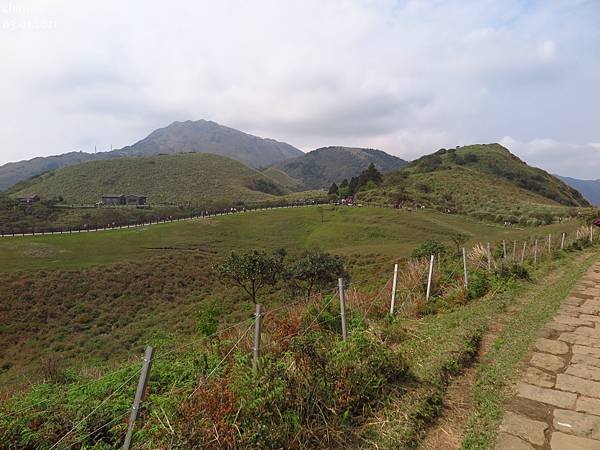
x=479 y=284
x=512 y=270
x=428 y=248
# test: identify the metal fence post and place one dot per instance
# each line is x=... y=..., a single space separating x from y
x=342 y=308
x=464 y=254
x=394 y=284
x=139 y=394
x=257 y=331
x=429 y=278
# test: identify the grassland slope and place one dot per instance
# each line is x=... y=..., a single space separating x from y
x=190 y=178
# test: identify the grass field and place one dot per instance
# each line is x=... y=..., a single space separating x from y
x=365 y=234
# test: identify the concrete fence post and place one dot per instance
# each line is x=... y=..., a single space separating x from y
x=257 y=332
x=139 y=394
x=430 y=277
x=394 y=284
x=342 y=308
x=464 y=255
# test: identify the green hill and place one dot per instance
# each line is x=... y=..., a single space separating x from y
x=486 y=181
x=321 y=167
x=195 y=178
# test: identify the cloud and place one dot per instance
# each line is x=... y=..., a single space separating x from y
x=405 y=76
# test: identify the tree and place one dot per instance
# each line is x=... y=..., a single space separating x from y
x=344 y=189
x=458 y=239
x=370 y=174
x=354 y=185
x=316 y=270
x=333 y=190
x=252 y=271
x=428 y=248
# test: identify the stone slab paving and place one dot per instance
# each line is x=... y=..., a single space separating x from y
x=557 y=402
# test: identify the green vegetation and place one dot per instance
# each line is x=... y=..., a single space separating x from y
x=311 y=390
x=483 y=181
x=196 y=179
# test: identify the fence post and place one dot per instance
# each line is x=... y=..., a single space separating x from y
x=591 y=234
x=489 y=257
x=504 y=248
x=139 y=394
x=578 y=237
x=514 y=250
x=562 y=241
x=429 y=278
x=257 y=330
x=523 y=252
x=535 y=252
x=342 y=308
x=464 y=252
x=549 y=243
x=394 y=283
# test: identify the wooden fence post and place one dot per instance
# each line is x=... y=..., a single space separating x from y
x=139 y=394
x=514 y=250
x=523 y=252
x=429 y=278
x=504 y=248
x=535 y=252
x=257 y=331
x=464 y=252
x=562 y=240
x=394 y=284
x=549 y=243
x=342 y=308
x=591 y=234
x=489 y=258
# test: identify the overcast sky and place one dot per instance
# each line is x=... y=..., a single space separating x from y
x=408 y=77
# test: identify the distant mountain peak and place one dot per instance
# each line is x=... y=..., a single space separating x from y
x=200 y=136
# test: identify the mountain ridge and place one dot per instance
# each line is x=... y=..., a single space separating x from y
x=201 y=136
x=590 y=189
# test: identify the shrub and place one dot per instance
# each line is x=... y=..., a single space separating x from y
x=479 y=284
x=428 y=248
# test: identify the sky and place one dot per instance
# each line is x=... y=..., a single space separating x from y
x=408 y=77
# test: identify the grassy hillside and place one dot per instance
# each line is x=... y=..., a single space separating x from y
x=64 y=325
x=485 y=181
x=321 y=167
x=283 y=179
x=194 y=178
x=60 y=292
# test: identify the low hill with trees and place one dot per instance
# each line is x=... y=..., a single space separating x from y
x=321 y=167
x=485 y=181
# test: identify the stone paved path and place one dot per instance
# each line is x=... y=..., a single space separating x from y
x=557 y=403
